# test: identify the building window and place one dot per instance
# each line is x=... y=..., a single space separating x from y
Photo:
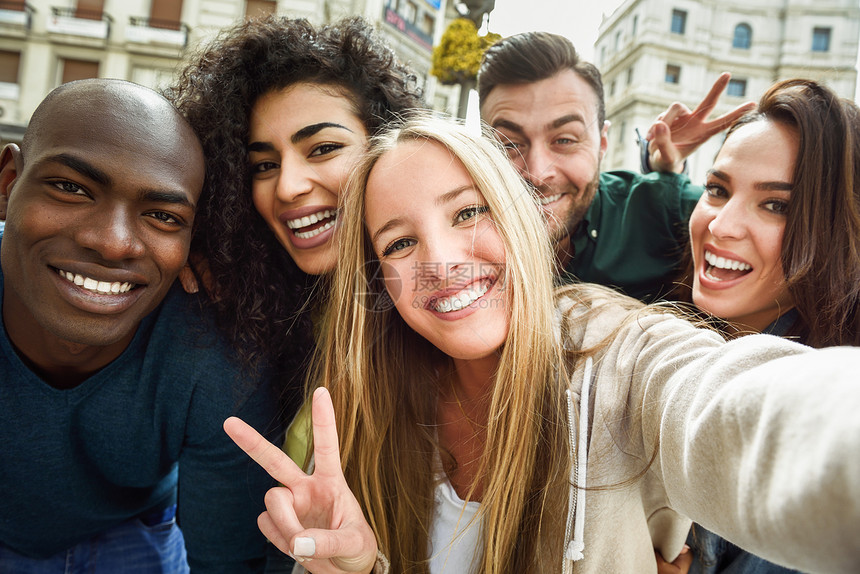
x=612 y=88
x=629 y=75
x=679 y=21
x=9 y=64
x=743 y=37
x=617 y=40
x=673 y=74
x=821 y=39
x=90 y=9
x=165 y=14
x=602 y=55
x=409 y=11
x=428 y=24
x=737 y=88
x=635 y=25
x=260 y=8
x=78 y=70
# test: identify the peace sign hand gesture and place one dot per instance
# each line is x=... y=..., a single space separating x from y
x=315 y=518
x=678 y=132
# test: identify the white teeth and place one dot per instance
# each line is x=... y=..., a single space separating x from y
x=544 y=199
x=96 y=286
x=310 y=219
x=724 y=263
x=462 y=299
x=314 y=232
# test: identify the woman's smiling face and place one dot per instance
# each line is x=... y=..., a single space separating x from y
x=442 y=257
x=304 y=141
x=736 y=228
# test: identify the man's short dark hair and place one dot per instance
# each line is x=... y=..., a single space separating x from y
x=534 y=56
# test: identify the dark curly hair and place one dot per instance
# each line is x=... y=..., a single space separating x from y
x=263 y=300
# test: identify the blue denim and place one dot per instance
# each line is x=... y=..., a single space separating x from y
x=713 y=554
x=149 y=544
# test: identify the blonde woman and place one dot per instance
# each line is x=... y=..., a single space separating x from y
x=488 y=425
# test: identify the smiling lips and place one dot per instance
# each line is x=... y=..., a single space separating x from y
x=547 y=199
x=102 y=287
x=461 y=299
x=312 y=225
x=723 y=269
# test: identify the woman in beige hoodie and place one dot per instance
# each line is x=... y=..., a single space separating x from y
x=488 y=424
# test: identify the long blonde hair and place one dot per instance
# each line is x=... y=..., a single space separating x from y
x=383 y=378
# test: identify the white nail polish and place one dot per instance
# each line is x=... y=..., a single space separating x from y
x=304 y=547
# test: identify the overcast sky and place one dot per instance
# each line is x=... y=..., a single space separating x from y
x=576 y=19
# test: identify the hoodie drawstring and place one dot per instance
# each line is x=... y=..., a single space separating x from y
x=576 y=497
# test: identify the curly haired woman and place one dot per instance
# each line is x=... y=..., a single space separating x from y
x=283 y=110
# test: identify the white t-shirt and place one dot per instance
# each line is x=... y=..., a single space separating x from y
x=454 y=535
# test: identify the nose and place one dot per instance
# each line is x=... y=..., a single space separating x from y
x=294 y=180
x=729 y=222
x=442 y=261
x=113 y=233
x=539 y=165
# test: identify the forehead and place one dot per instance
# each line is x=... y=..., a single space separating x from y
x=760 y=147
x=127 y=141
x=536 y=105
x=414 y=172
x=407 y=160
x=304 y=104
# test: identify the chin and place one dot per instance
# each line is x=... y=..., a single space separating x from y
x=319 y=265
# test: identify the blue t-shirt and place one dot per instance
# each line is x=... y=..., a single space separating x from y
x=142 y=430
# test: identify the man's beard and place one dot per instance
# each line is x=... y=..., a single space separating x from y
x=568 y=223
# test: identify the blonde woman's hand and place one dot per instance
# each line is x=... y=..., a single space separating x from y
x=681 y=564
x=678 y=132
x=315 y=518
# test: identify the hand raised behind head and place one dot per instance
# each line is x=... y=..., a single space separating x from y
x=678 y=132
x=315 y=517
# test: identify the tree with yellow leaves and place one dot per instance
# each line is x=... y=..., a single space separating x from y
x=457 y=57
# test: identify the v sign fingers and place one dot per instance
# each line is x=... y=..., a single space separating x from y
x=314 y=517
x=271 y=458
x=326 y=447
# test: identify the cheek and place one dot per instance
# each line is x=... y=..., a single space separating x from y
x=699 y=221
x=769 y=241
x=580 y=168
x=172 y=253
x=262 y=195
x=393 y=280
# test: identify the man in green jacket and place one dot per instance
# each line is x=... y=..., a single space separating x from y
x=620 y=229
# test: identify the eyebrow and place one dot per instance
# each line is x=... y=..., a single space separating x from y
x=555 y=124
x=759 y=186
x=100 y=177
x=297 y=137
x=312 y=129
x=86 y=169
x=453 y=194
x=162 y=196
x=446 y=197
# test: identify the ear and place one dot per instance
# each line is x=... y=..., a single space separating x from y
x=10 y=159
x=604 y=139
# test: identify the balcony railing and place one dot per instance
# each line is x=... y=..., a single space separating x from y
x=16 y=14
x=77 y=22
x=153 y=31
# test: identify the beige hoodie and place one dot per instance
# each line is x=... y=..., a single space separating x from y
x=757 y=439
